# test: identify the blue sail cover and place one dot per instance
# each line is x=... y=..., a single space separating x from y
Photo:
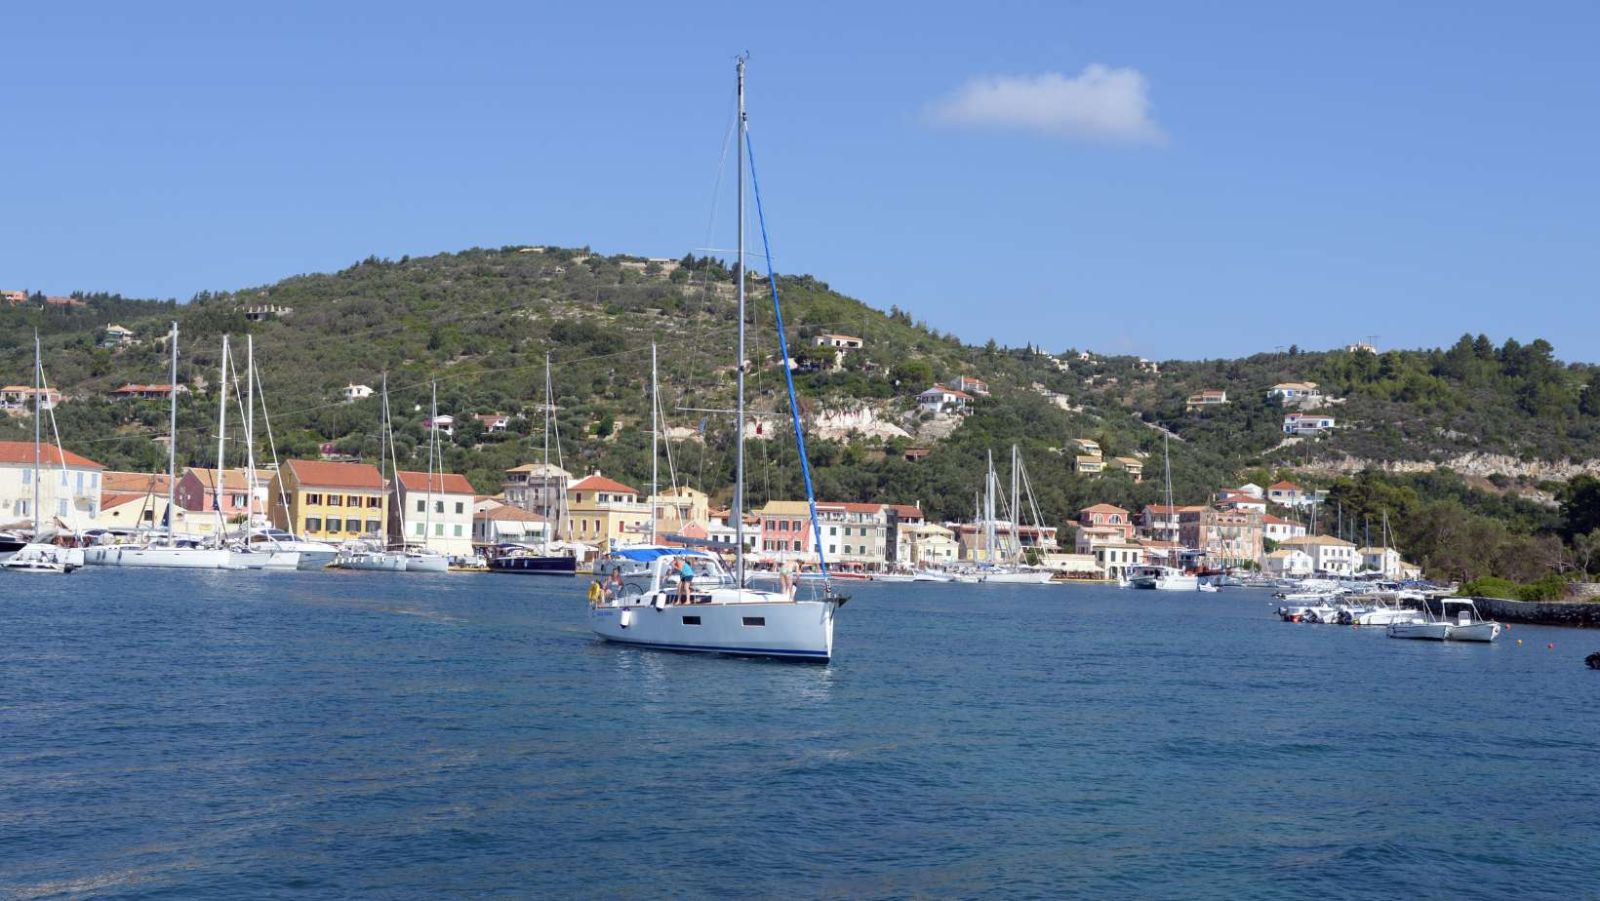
x=649 y=554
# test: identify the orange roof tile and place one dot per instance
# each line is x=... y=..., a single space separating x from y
x=325 y=474
x=21 y=452
x=598 y=482
x=443 y=482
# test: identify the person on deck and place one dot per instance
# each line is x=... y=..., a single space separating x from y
x=614 y=584
x=685 y=581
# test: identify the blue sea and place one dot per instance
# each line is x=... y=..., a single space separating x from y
x=212 y=735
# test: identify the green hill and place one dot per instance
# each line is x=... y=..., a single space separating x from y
x=482 y=322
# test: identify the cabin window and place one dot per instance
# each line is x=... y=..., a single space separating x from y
x=691 y=620
x=755 y=621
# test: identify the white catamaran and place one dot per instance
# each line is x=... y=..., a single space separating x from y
x=717 y=610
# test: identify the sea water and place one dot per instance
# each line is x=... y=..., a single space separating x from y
x=202 y=735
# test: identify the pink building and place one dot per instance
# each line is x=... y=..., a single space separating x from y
x=199 y=489
x=1107 y=515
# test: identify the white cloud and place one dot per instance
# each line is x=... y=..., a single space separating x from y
x=1099 y=104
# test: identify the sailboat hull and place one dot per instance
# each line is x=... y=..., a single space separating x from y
x=801 y=630
x=427 y=563
x=158 y=557
x=535 y=566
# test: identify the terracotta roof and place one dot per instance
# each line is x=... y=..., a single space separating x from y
x=694 y=530
x=942 y=389
x=1104 y=508
x=862 y=508
x=508 y=513
x=1276 y=520
x=1284 y=486
x=21 y=452
x=143 y=389
x=906 y=511
x=598 y=482
x=443 y=482
x=137 y=482
x=109 y=499
x=326 y=474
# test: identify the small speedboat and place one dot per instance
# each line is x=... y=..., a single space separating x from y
x=1207 y=586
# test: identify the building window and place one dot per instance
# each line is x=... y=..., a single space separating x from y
x=418 y=529
x=372 y=526
x=458 y=530
x=313 y=498
x=352 y=525
x=313 y=524
x=461 y=507
x=335 y=500
x=438 y=506
x=438 y=529
x=422 y=506
x=352 y=500
x=797 y=545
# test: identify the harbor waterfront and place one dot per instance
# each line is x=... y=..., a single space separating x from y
x=196 y=733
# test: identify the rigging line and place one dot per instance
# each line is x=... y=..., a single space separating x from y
x=788 y=374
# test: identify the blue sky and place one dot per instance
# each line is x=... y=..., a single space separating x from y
x=1168 y=179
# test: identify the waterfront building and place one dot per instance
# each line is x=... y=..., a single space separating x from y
x=1329 y=555
x=678 y=508
x=1114 y=558
x=537 y=488
x=494 y=522
x=1107 y=515
x=897 y=519
x=330 y=501
x=435 y=512
x=209 y=492
x=69 y=486
x=1288 y=563
x=606 y=513
x=854 y=535
x=926 y=545
x=786 y=528
x=1279 y=529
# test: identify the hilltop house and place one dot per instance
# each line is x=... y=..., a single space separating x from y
x=442 y=500
x=1085 y=464
x=1133 y=466
x=839 y=342
x=1294 y=392
x=443 y=422
x=940 y=399
x=146 y=392
x=971 y=385
x=117 y=336
x=1306 y=424
x=1087 y=446
x=1286 y=493
x=354 y=392
x=1210 y=397
x=20 y=397
x=261 y=312
x=329 y=501
x=494 y=422
x=69 y=486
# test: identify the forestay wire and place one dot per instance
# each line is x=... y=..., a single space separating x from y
x=783 y=351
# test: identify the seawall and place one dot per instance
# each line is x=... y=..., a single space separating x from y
x=1539 y=613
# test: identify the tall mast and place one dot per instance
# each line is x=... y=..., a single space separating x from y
x=250 y=433
x=172 y=442
x=655 y=442
x=738 y=484
x=383 y=426
x=544 y=476
x=989 y=538
x=1016 y=500
x=38 y=415
x=433 y=438
x=222 y=436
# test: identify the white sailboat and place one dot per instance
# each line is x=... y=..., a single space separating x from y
x=1013 y=571
x=164 y=551
x=310 y=554
x=36 y=555
x=1156 y=576
x=423 y=559
x=372 y=554
x=724 y=615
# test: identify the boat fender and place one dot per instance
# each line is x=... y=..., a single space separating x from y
x=659 y=602
x=625 y=619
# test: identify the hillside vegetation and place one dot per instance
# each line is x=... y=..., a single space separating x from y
x=482 y=322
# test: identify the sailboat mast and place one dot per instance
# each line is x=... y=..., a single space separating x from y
x=988 y=510
x=738 y=484
x=655 y=442
x=250 y=432
x=222 y=435
x=38 y=416
x=1016 y=500
x=172 y=442
x=433 y=439
x=544 y=476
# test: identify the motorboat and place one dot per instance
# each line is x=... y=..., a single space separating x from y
x=1162 y=578
x=1208 y=586
x=1467 y=626
x=721 y=617
x=931 y=575
x=424 y=561
x=38 y=558
x=531 y=561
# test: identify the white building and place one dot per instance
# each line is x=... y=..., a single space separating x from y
x=1385 y=560
x=353 y=393
x=537 y=488
x=69 y=487
x=1288 y=563
x=1294 y=391
x=1279 y=529
x=1329 y=555
x=1306 y=424
x=435 y=512
x=494 y=522
x=939 y=399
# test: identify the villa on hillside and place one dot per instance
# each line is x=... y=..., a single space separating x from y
x=353 y=393
x=1306 y=424
x=1294 y=391
x=940 y=399
x=1210 y=397
x=971 y=385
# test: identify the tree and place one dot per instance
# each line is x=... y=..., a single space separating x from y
x=1580 y=506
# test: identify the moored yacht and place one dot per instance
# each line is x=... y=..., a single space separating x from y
x=1161 y=578
x=721 y=616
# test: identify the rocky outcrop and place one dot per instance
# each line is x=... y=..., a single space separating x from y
x=862 y=421
x=1468 y=464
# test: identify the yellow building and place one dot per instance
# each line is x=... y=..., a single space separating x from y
x=604 y=512
x=330 y=501
x=676 y=508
